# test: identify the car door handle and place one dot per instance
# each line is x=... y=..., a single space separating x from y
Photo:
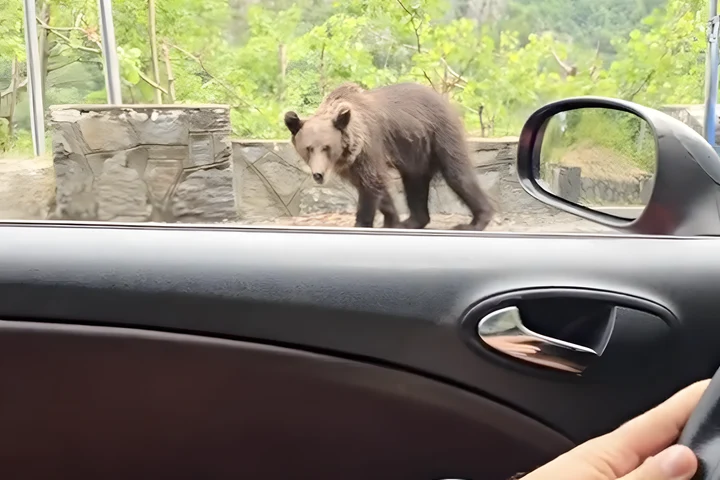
x=503 y=330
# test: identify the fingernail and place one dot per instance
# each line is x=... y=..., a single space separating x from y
x=676 y=462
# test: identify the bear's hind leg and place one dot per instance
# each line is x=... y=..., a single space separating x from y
x=387 y=208
x=417 y=191
x=460 y=177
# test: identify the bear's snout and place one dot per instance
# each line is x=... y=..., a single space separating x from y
x=318 y=177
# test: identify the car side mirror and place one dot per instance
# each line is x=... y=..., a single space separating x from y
x=622 y=165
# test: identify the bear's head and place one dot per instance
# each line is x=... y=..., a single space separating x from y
x=320 y=140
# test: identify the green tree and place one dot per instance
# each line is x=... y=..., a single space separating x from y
x=664 y=62
x=263 y=58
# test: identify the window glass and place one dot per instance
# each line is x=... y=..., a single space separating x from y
x=404 y=113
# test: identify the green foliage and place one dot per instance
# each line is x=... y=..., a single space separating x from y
x=587 y=22
x=614 y=141
x=19 y=146
x=664 y=62
x=131 y=65
x=12 y=39
x=263 y=58
x=621 y=132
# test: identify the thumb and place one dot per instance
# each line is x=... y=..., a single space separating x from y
x=677 y=462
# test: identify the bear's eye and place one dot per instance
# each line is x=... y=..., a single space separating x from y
x=326 y=148
x=309 y=149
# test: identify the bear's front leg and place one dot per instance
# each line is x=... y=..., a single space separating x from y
x=368 y=202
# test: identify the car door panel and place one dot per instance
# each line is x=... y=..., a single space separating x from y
x=394 y=299
x=116 y=403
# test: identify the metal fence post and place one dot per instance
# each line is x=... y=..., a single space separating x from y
x=711 y=74
x=109 y=50
x=37 y=110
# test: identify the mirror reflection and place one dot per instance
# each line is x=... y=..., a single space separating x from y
x=599 y=158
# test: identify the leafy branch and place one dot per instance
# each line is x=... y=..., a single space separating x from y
x=95 y=51
x=416 y=27
x=215 y=79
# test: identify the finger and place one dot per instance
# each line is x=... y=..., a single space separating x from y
x=620 y=452
x=557 y=364
x=657 y=428
x=625 y=448
x=514 y=339
x=674 y=463
x=521 y=348
x=521 y=339
x=509 y=347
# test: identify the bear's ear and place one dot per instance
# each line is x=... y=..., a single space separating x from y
x=293 y=122
x=343 y=117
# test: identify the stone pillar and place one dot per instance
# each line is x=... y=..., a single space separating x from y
x=137 y=163
x=647 y=184
x=566 y=183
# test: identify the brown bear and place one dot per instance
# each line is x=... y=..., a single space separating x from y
x=361 y=134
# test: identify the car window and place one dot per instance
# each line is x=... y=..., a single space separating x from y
x=373 y=113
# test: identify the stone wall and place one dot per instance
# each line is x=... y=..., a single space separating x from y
x=692 y=116
x=140 y=163
x=272 y=181
x=175 y=163
x=568 y=183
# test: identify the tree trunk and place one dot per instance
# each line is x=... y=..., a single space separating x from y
x=14 y=85
x=486 y=11
x=169 y=72
x=9 y=96
x=44 y=48
x=154 y=50
x=283 y=61
x=323 y=80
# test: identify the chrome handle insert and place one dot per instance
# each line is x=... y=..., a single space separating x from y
x=503 y=330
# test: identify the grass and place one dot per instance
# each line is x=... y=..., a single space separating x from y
x=21 y=146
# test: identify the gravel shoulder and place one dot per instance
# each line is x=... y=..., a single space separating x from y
x=27 y=187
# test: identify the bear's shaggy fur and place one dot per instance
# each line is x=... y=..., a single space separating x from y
x=361 y=134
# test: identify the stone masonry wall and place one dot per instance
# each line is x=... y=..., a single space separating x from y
x=692 y=116
x=569 y=183
x=140 y=163
x=272 y=181
x=175 y=163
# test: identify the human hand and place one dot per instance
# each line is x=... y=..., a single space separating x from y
x=641 y=449
x=515 y=345
x=528 y=348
